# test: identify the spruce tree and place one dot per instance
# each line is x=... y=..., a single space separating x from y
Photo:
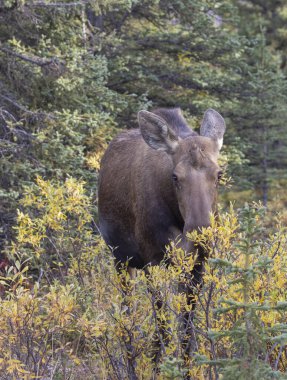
x=248 y=337
x=261 y=106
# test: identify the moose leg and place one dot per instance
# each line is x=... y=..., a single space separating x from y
x=126 y=274
x=190 y=287
x=161 y=336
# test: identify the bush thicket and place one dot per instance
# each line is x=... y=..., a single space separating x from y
x=72 y=74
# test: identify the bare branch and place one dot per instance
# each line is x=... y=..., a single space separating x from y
x=16 y=104
x=59 y=5
x=35 y=60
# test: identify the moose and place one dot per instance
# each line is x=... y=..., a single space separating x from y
x=156 y=184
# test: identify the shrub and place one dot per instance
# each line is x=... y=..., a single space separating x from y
x=66 y=312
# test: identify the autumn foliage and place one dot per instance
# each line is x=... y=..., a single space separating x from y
x=65 y=313
x=73 y=73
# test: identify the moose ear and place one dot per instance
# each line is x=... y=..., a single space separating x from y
x=213 y=126
x=156 y=132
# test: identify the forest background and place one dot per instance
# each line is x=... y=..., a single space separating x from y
x=74 y=73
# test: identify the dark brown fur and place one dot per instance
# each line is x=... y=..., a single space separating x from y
x=141 y=208
x=156 y=184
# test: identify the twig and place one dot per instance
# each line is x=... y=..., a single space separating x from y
x=269 y=352
x=16 y=104
x=35 y=60
x=59 y=5
x=278 y=357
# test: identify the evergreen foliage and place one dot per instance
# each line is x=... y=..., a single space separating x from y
x=72 y=74
x=262 y=98
x=249 y=335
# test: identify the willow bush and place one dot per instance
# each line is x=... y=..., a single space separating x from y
x=66 y=313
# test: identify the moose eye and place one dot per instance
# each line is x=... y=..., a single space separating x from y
x=174 y=178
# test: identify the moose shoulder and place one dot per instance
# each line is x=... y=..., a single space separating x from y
x=157 y=183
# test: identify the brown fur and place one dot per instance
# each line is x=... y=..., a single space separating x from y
x=140 y=207
x=156 y=184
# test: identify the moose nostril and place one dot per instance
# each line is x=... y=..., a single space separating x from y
x=219 y=175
